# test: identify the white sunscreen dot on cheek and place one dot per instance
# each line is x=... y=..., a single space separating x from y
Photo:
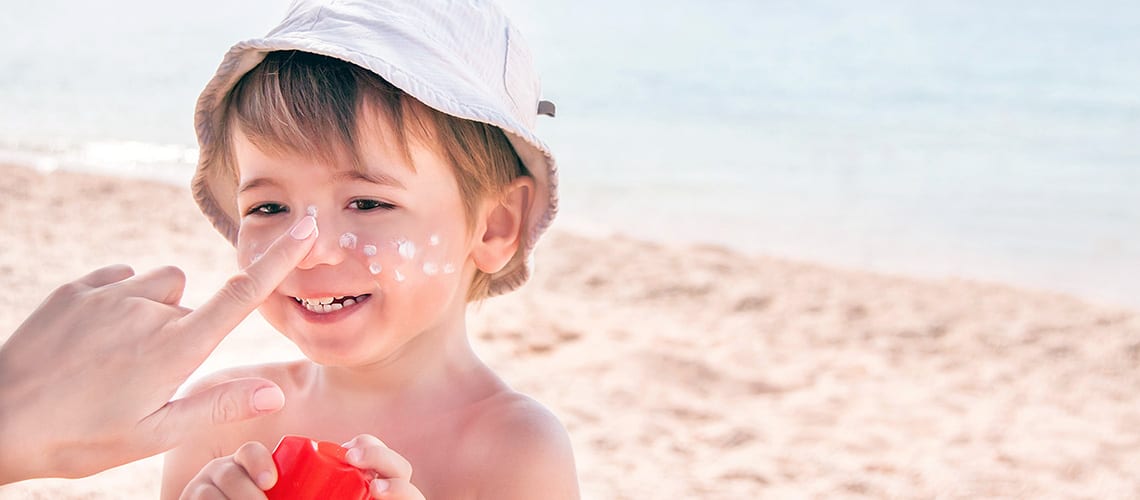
x=399 y=276
x=348 y=240
x=434 y=240
x=375 y=268
x=448 y=269
x=370 y=250
x=406 y=248
x=431 y=268
x=253 y=253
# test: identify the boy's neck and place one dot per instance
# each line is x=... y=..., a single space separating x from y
x=436 y=362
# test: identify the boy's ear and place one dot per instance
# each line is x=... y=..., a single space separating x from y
x=499 y=228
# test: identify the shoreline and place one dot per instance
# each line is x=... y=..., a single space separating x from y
x=694 y=370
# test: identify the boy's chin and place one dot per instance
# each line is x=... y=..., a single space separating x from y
x=341 y=358
x=344 y=352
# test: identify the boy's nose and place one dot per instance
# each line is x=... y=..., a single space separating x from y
x=327 y=250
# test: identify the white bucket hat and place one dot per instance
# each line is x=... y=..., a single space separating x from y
x=464 y=59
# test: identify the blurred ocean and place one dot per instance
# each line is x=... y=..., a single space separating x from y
x=995 y=140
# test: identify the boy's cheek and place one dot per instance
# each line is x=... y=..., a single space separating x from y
x=396 y=259
x=248 y=253
x=251 y=244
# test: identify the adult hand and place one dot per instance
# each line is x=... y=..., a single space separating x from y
x=86 y=380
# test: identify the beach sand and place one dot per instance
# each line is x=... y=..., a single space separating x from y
x=694 y=372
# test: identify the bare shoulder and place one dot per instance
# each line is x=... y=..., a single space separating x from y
x=519 y=449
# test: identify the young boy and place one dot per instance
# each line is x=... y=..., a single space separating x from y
x=404 y=132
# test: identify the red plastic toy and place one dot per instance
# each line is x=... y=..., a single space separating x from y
x=310 y=470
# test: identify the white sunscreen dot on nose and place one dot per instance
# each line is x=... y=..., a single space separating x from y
x=375 y=268
x=406 y=248
x=399 y=276
x=431 y=268
x=312 y=211
x=370 y=250
x=448 y=269
x=434 y=240
x=348 y=240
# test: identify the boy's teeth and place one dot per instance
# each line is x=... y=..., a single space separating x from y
x=325 y=304
x=321 y=301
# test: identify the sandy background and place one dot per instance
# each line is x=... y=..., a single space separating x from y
x=695 y=372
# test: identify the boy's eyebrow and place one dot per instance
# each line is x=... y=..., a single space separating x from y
x=373 y=177
x=257 y=182
x=351 y=175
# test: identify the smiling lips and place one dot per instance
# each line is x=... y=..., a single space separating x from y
x=323 y=305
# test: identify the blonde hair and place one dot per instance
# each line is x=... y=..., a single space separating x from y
x=306 y=104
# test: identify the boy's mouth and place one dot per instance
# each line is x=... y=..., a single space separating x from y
x=323 y=305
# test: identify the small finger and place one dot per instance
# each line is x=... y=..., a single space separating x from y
x=368 y=452
x=106 y=275
x=233 y=480
x=394 y=489
x=246 y=290
x=202 y=491
x=257 y=461
x=164 y=284
x=364 y=440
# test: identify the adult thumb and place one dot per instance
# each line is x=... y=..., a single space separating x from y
x=227 y=402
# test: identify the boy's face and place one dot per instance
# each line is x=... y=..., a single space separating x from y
x=392 y=250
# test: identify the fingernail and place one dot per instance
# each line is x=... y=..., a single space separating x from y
x=379 y=485
x=264 y=480
x=268 y=399
x=354 y=455
x=306 y=227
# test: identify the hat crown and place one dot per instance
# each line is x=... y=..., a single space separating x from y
x=472 y=40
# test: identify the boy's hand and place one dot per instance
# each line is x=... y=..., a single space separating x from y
x=86 y=380
x=393 y=471
x=243 y=475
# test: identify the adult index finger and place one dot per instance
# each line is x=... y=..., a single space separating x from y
x=246 y=290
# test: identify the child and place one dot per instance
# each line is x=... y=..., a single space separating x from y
x=404 y=130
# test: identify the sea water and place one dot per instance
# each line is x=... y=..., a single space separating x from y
x=979 y=139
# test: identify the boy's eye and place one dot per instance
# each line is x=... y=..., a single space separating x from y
x=366 y=205
x=267 y=209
